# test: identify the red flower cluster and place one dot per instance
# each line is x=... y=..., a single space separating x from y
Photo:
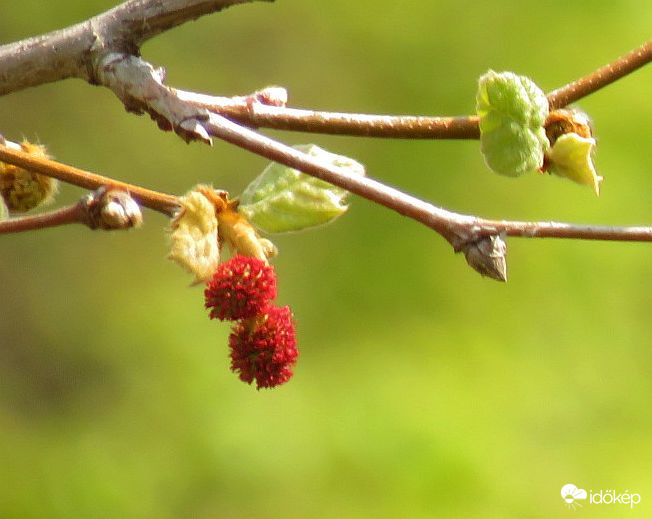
x=240 y=288
x=265 y=351
x=263 y=342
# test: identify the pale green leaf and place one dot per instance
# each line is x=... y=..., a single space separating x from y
x=284 y=199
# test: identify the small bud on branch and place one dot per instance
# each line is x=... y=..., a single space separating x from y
x=487 y=256
x=107 y=209
x=112 y=209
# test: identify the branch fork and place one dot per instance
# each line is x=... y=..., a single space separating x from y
x=139 y=85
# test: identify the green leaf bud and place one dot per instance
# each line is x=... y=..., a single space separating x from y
x=512 y=110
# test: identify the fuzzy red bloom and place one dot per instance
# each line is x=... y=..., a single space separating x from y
x=265 y=349
x=240 y=288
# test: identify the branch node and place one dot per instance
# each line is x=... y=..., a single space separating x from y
x=272 y=95
x=139 y=85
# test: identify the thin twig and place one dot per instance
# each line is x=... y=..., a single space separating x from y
x=359 y=125
x=486 y=227
x=364 y=125
x=601 y=77
x=434 y=217
x=254 y=112
x=457 y=228
x=65 y=215
x=261 y=115
x=77 y=51
x=155 y=200
x=105 y=208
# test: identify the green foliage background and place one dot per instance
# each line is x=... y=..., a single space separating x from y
x=422 y=390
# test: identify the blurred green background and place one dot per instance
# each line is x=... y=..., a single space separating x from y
x=422 y=389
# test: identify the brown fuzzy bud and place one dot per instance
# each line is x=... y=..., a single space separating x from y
x=22 y=189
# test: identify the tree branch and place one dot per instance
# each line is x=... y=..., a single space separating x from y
x=266 y=108
x=458 y=229
x=256 y=113
x=66 y=215
x=108 y=209
x=601 y=77
x=105 y=50
x=160 y=202
x=136 y=21
x=80 y=51
x=247 y=111
x=442 y=221
x=73 y=51
x=141 y=88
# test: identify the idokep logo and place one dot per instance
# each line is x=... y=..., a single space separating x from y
x=572 y=495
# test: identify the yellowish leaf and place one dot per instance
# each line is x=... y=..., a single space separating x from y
x=194 y=238
x=571 y=157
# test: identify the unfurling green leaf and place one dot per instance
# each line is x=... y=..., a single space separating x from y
x=511 y=111
x=571 y=157
x=284 y=199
